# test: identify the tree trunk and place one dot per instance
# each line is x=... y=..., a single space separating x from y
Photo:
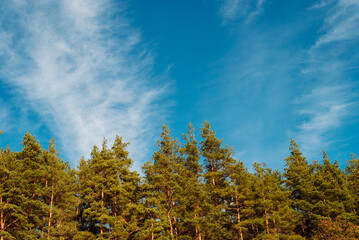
x=212 y=170
x=275 y=228
x=152 y=233
x=2 y=220
x=51 y=207
x=198 y=232
x=115 y=216
x=239 y=218
x=174 y=220
x=169 y=205
x=170 y=222
x=102 y=204
x=175 y=226
x=267 y=221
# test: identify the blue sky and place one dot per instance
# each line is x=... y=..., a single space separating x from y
x=260 y=71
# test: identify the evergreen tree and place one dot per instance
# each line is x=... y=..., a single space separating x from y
x=217 y=159
x=240 y=190
x=108 y=193
x=12 y=215
x=33 y=180
x=336 y=229
x=42 y=197
x=124 y=194
x=332 y=192
x=163 y=180
x=193 y=201
x=352 y=170
x=59 y=196
x=275 y=217
x=299 y=180
x=83 y=191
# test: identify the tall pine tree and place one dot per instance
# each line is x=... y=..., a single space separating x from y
x=217 y=159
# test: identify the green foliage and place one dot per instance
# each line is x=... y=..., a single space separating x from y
x=336 y=228
x=108 y=192
x=217 y=160
x=189 y=191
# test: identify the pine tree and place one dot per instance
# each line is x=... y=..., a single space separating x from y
x=217 y=160
x=107 y=196
x=352 y=170
x=332 y=192
x=124 y=194
x=83 y=192
x=12 y=215
x=192 y=198
x=299 y=180
x=96 y=213
x=272 y=205
x=59 y=196
x=240 y=190
x=162 y=177
x=33 y=180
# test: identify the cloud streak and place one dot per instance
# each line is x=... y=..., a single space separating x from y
x=83 y=68
x=341 y=24
x=331 y=100
x=231 y=10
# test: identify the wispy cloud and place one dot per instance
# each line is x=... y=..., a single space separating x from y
x=341 y=24
x=231 y=10
x=326 y=109
x=331 y=100
x=4 y=115
x=82 y=66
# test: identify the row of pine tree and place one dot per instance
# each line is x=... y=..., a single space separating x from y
x=189 y=190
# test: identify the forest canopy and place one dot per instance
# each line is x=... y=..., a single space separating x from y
x=190 y=189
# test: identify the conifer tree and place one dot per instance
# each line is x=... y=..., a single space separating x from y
x=275 y=217
x=217 y=159
x=33 y=180
x=59 y=196
x=124 y=194
x=83 y=191
x=12 y=215
x=332 y=191
x=241 y=192
x=162 y=177
x=299 y=180
x=108 y=193
x=352 y=170
x=193 y=201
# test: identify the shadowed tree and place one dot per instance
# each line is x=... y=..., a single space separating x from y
x=352 y=170
x=276 y=218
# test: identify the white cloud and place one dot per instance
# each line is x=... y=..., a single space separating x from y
x=326 y=107
x=332 y=100
x=341 y=24
x=82 y=67
x=231 y=10
x=4 y=116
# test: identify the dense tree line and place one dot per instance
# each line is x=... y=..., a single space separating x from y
x=189 y=190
